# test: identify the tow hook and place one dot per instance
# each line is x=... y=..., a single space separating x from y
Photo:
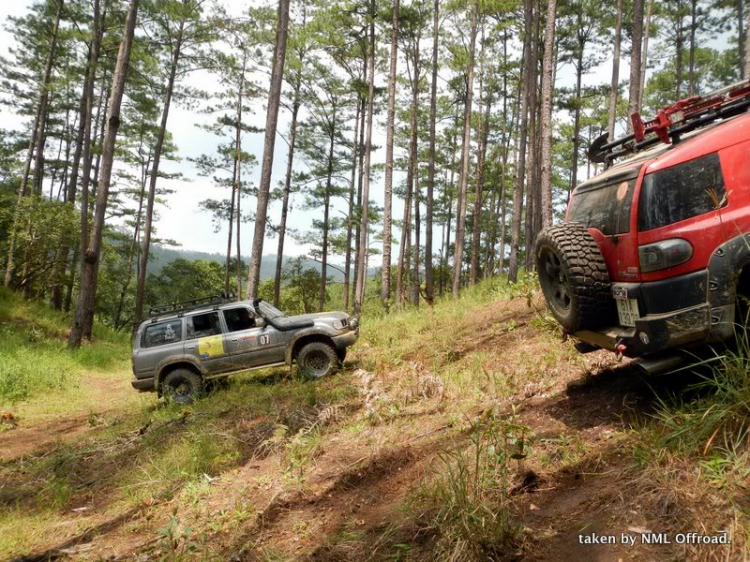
x=620 y=351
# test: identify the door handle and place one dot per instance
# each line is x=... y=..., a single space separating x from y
x=235 y=340
x=191 y=347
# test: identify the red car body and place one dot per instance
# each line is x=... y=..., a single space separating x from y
x=645 y=209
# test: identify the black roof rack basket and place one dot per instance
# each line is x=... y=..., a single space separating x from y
x=182 y=307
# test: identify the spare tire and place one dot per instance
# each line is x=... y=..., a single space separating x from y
x=574 y=277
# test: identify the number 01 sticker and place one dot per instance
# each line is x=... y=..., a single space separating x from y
x=264 y=339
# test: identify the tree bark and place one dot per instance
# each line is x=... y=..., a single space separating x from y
x=236 y=187
x=521 y=167
x=38 y=125
x=635 y=60
x=41 y=137
x=417 y=225
x=428 y=273
x=747 y=46
x=327 y=211
x=350 y=215
x=272 y=116
x=158 y=148
x=546 y=124
x=532 y=159
x=463 y=180
x=483 y=134
x=385 y=273
x=644 y=52
x=287 y=192
x=84 y=314
x=615 y=72
x=691 y=55
x=359 y=293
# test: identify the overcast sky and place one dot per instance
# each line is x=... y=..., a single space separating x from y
x=192 y=229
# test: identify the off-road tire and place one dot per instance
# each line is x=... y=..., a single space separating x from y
x=182 y=386
x=574 y=277
x=317 y=359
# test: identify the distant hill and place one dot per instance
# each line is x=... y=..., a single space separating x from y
x=161 y=256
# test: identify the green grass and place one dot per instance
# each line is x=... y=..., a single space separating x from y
x=34 y=358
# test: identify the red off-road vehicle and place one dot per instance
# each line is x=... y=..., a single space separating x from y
x=655 y=251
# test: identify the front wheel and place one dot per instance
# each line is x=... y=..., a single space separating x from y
x=317 y=359
x=182 y=386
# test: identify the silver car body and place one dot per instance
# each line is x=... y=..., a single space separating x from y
x=223 y=339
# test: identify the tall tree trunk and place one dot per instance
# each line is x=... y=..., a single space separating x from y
x=615 y=71
x=741 y=36
x=359 y=281
x=523 y=130
x=39 y=123
x=417 y=226
x=547 y=88
x=158 y=148
x=747 y=46
x=644 y=52
x=236 y=187
x=385 y=273
x=679 y=49
x=463 y=180
x=428 y=273
x=691 y=56
x=403 y=253
x=287 y=192
x=577 y=121
x=350 y=215
x=327 y=212
x=360 y=182
x=41 y=137
x=483 y=134
x=635 y=60
x=272 y=115
x=84 y=315
x=532 y=159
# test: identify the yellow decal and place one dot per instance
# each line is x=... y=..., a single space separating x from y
x=211 y=346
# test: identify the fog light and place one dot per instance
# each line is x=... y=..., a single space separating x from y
x=644 y=338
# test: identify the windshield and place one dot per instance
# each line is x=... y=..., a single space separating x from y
x=606 y=205
x=269 y=311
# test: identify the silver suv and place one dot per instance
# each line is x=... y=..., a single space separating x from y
x=183 y=346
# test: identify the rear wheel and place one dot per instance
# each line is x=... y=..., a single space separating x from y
x=182 y=386
x=574 y=277
x=317 y=359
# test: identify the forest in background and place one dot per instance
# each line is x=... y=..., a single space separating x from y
x=484 y=137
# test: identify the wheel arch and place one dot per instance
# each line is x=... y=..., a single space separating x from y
x=171 y=366
x=300 y=341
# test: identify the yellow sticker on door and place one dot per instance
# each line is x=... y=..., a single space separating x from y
x=211 y=346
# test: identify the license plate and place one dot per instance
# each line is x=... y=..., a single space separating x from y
x=627 y=309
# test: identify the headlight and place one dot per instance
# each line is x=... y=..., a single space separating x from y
x=341 y=324
x=664 y=254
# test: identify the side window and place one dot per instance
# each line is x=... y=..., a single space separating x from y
x=239 y=319
x=162 y=333
x=681 y=192
x=202 y=325
x=605 y=207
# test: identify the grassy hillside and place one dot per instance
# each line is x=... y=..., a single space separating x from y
x=466 y=432
x=34 y=359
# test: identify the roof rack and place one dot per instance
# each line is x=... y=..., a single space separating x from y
x=182 y=307
x=673 y=121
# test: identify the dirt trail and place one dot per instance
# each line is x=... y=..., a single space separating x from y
x=348 y=504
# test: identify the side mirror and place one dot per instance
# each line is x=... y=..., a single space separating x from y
x=260 y=322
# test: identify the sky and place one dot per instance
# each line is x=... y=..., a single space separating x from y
x=182 y=221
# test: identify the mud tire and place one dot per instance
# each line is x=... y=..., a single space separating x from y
x=317 y=360
x=182 y=386
x=574 y=277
